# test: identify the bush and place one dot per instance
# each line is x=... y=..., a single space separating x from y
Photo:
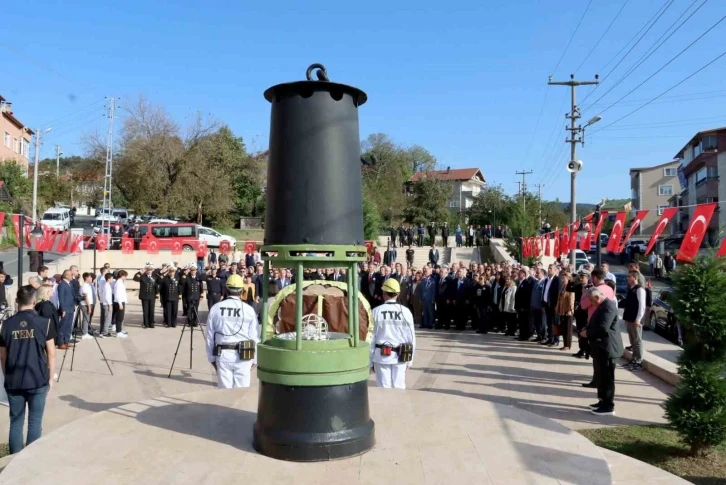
x=697 y=408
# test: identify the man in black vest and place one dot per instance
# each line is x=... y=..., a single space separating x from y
x=27 y=355
x=633 y=315
x=604 y=334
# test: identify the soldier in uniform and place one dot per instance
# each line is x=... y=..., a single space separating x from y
x=147 y=294
x=394 y=339
x=170 y=296
x=214 y=289
x=193 y=293
x=232 y=327
x=183 y=276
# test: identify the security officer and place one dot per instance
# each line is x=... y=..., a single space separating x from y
x=394 y=339
x=192 y=290
x=232 y=336
x=147 y=294
x=170 y=296
x=214 y=289
x=27 y=353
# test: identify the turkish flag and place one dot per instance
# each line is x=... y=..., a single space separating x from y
x=585 y=241
x=176 y=248
x=556 y=251
x=369 y=246
x=524 y=248
x=224 y=247
x=617 y=233
x=2 y=219
x=64 y=242
x=722 y=250
x=45 y=243
x=16 y=225
x=202 y=249
x=535 y=242
x=127 y=245
x=598 y=227
x=696 y=230
x=639 y=216
x=153 y=247
x=665 y=218
x=250 y=247
x=573 y=235
x=101 y=242
x=565 y=242
x=546 y=241
x=76 y=243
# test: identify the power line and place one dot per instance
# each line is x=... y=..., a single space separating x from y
x=572 y=37
x=72 y=113
x=662 y=11
x=603 y=35
x=664 y=92
x=675 y=98
x=652 y=50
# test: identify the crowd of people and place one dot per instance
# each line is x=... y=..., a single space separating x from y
x=469 y=236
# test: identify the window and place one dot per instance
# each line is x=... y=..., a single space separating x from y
x=710 y=200
x=16 y=145
x=161 y=231
x=7 y=139
x=701 y=174
x=634 y=194
x=661 y=208
x=184 y=231
x=453 y=203
x=665 y=190
x=707 y=143
x=669 y=172
x=25 y=148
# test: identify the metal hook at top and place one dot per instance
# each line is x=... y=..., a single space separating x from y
x=321 y=73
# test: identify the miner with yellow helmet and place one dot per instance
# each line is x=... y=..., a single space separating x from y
x=394 y=339
x=232 y=335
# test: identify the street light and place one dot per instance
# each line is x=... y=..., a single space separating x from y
x=35 y=173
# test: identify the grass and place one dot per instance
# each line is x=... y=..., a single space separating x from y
x=4 y=450
x=660 y=446
x=243 y=234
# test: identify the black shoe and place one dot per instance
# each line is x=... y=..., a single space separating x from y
x=590 y=385
x=151 y=326
x=481 y=331
x=603 y=412
x=579 y=355
x=166 y=325
x=587 y=356
x=596 y=405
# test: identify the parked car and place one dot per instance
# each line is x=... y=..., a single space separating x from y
x=120 y=213
x=604 y=238
x=58 y=218
x=168 y=236
x=104 y=220
x=621 y=288
x=214 y=238
x=662 y=320
x=581 y=258
x=639 y=244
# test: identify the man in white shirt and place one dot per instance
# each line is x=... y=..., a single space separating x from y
x=105 y=298
x=394 y=340
x=606 y=269
x=119 y=303
x=86 y=305
x=633 y=314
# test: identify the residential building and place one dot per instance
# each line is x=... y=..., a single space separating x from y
x=15 y=136
x=650 y=188
x=466 y=184
x=702 y=159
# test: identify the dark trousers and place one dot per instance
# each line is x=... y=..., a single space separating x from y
x=606 y=384
x=420 y=240
x=171 y=308
x=461 y=313
x=482 y=324
x=185 y=306
x=119 y=316
x=65 y=328
x=581 y=322
x=566 y=330
x=193 y=304
x=525 y=327
x=539 y=323
x=510 y=319
x=213 y=299
x=552 y=320
x=495 y=318
x=165 y=316
x=443 y=314
x=18 y=401
x=147 y=308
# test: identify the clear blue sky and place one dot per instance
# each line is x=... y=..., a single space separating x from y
x=466 y=80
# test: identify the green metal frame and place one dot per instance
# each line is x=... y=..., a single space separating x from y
x=313 y=363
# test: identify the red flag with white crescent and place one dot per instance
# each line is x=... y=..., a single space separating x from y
x=696 y=231
x=2 y=219
x=585 y=241
x=250 y=247
x=76 y=243
x=153 y=247
x=573 y=235
x=127 y=245
x=369 y=246
x=565 y=242
x=202 y=249
x=556 y=250
x=722 y=250
x=16 y=225
x=617 y=233
x=598 y=227
x=64 y=243
x=546 y=241
x=101 y=242
x=224 y=247
x=639 y=216
x=48 y=240
x=665 y=218
x=176 y=248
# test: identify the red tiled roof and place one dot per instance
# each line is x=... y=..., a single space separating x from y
x=448 y=175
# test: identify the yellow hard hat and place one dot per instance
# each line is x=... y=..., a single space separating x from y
x=235 y=281
x=391 y=286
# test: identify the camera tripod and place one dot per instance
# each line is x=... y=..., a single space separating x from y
x=192 y=321
x=76 y=322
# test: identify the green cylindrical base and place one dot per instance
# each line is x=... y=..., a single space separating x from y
x=313 y=423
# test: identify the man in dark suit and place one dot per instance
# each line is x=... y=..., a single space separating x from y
x=461 y=289
x=551 y=294
x=66 y=306
x=445 y=234
x=604 y=334
x=433 y=255
x=522 y=299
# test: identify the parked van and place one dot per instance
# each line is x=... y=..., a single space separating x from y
x=167 y=236
x=58 y=218
x=103 y=221
x=121 y=214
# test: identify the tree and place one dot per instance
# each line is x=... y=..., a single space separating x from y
x=428 y=202
x=697 y=408
x=371 y=219
x=19 y=186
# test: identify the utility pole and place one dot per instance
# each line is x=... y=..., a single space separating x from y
x=574 y=165
x=539 y=197
x=523 y=186
x=108 y=178
x=58 y=153
x=36 y=168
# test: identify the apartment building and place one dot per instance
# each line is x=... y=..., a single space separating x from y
x=466 y=184
x=15 y=136
x=651 y=188
x=701 y=161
